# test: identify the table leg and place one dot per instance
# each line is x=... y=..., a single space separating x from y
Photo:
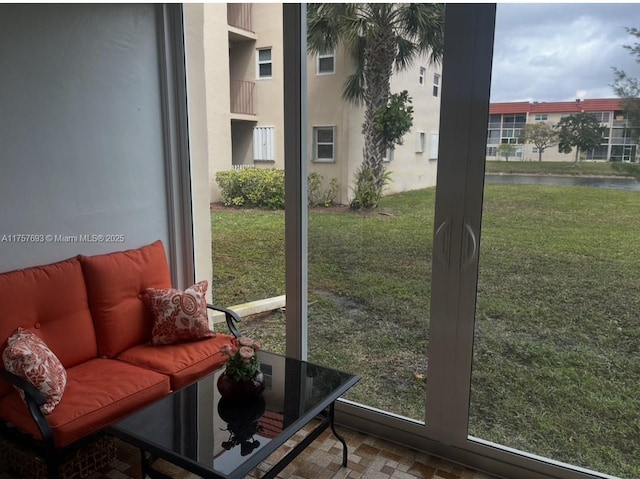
x=147 y=471
x=333 y=428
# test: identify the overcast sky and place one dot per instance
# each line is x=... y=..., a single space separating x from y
x=551 y=51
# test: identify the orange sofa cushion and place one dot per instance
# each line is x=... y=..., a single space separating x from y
x=115 y=287
x=184 y=363
x=50 y=301
x=99 y=392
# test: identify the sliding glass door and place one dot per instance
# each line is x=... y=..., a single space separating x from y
x=526 y=322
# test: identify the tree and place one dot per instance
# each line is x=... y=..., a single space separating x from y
x=507 y=150
x=582 y=130
x=628 y=88
x=541 y=134
x=379 y=37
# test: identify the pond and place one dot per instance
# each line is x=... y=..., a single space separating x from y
x=594 y=182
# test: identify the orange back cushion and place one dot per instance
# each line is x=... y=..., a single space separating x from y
x=115 y=286
x=50 y=301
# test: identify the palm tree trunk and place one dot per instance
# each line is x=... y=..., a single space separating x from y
x=379 y=58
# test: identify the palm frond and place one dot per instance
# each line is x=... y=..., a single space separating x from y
x=324 y=26
x=406 y=53
x=423 y=24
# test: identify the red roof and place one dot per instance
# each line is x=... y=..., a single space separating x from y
x=599 y=104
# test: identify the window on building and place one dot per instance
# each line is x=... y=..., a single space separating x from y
x=421 y=142
x=263 y=143
x=436 y=84
x=325 y=64
x=388 y=156
x=493 y=138
x=602 y=116
x=433 y=145
x=324 y=143
x=514 y=121
x=534 y=149
x=598 y=153
x=495 y=121
x=421 y=75
x=265 y=66
x=492 y=151
x=541 y=117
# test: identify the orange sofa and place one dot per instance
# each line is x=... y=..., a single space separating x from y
x=92 y=313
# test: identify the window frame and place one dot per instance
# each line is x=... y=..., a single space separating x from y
x=422 y=76
x=323 y=55
x=437 y=81
x=421 y=142
x=315 y=130
x=264 y=62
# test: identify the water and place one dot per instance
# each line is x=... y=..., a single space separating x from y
x=594 y=182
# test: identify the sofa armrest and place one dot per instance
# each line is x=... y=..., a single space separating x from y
x=34 y=399
x=231 y=318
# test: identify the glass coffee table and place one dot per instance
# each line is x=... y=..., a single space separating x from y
x=197 y=430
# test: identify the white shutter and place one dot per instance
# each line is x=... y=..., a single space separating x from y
x=433 y=145
x=263 y=143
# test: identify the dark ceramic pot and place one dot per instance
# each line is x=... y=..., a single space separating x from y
x=240 y=390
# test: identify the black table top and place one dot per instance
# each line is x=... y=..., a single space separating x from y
x=196 y=429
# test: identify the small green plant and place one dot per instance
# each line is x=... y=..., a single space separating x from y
x=368 y=190
x=252 y=188
x=395 y=119
x=318 y=196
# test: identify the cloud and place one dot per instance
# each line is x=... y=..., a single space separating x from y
x=548 y=52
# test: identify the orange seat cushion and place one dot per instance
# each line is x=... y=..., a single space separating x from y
x=184 y=363
x=98 y=393
x=50 y=301
x=115 y=285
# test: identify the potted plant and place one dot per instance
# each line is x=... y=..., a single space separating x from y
x=242 y=378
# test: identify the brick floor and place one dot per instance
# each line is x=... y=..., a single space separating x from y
x=369 y=458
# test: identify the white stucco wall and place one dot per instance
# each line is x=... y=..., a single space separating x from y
x=81 y=134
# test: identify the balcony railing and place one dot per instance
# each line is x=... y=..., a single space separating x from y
x=239 y=15
x=242 y=97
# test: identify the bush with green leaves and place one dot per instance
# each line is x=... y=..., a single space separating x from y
x=368 y=190
x=252 y=188
x=317 y=195
x=395 y=119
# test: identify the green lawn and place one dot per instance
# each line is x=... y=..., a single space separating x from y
x=599 y=168
x=557 y=348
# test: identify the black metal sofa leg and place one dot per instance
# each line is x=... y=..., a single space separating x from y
x=52 y=467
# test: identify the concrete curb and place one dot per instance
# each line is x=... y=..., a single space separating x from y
x=253 y=307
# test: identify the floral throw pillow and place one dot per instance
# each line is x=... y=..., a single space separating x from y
x=179 y=316
x=27 y=356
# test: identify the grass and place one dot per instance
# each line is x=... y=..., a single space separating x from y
x=557 y=347
x=564 y=168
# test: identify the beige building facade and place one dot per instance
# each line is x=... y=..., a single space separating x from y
x=243 y=76
x=507 y=120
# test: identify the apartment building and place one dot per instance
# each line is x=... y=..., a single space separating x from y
x=243 y=58
x=507 y=120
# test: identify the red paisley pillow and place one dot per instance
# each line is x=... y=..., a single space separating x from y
x=27 y=356
x=179 y=315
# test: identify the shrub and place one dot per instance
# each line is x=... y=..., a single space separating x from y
x=316 y=195
x=368 y=190
x=252 y=188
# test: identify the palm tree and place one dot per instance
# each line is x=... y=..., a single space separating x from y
x=378 y=37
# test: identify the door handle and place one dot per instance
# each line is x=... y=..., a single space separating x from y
x=442 y=241
x=470 y=239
